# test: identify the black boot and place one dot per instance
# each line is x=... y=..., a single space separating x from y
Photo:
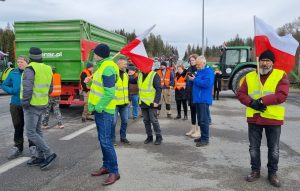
x=158 y=140
x=178 y=116
x=148 y=140
x=185 y=117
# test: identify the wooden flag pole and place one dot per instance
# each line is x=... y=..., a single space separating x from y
x=116 y=55
x=258 y=76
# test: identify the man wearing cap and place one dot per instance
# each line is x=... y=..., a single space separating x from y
x=102 y=102
x=133 y=90
x=86 y=73
x=264 y=111
x=166 y=81
x=35 y=89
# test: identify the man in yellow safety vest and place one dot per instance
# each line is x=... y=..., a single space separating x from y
x=35 y=90
x=264 y=92
x=102 y=101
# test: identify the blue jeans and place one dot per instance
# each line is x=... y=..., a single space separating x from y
x=123 y=110
x=203 y=121
x=33 y=123
x=273 y=135
x=135 y=106
x=104 y=124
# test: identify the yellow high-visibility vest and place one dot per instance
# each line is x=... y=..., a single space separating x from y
x=121 y=93
x=273 y=111
x=42 y=82
x=97 y=88
x=146 y=89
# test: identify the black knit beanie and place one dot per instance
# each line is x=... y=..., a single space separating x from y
x=164 y=64
x=267 y=55
x=102 y=50
x=35 y=54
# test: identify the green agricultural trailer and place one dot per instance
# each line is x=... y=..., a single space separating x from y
x=68 y=46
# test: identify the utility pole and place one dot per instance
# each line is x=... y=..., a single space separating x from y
x=203 y=27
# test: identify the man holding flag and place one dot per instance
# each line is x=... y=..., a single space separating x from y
x=148 y=83
x=263 y=92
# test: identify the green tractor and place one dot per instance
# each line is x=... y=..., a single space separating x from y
x=235 y=63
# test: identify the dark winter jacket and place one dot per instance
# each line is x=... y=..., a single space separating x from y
x=189 y=89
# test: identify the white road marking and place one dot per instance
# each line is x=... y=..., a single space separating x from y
x=11 y=164
x=77 y=133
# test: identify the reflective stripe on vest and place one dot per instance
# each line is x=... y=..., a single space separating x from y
x=273 y=111
x=97 y=89
x=42 y=81
x=56 y=81
x=164 y=80
x=180 y=83
x=121 y=93
x=146 y=89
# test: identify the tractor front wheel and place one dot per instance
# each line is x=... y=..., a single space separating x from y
x=239 y=78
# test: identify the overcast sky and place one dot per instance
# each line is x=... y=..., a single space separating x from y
x=179 y=22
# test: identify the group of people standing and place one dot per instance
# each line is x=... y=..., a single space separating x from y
x=30 y=86
x=109 y=90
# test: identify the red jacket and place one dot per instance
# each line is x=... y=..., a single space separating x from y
x=279 y=97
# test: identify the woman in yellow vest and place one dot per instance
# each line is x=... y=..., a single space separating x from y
x=263 y=93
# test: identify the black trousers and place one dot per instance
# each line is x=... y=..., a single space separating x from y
x=184 y=104
x=193 y=113
x=273 y=137
x=17 y=117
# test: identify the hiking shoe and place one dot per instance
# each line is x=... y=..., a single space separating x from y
x=125 y=141
x=35 y=161
x=60 y=126
x=49 y=161
x=158 y=140
x=273 y=179
x=201 y=144
x=254 y=175
x=14 y=152
x=148 y=140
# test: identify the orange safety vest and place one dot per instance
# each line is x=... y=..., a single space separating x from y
x=56 y=80
x=88 y=73
x=164 y=81
x=180 y=83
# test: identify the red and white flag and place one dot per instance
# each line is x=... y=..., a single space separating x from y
x=136 y=51
x=283 y=47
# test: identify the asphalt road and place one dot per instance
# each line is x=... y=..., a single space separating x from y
x=175 y=165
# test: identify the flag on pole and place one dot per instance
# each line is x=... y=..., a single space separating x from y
x=283 y=47
x=136 y=51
